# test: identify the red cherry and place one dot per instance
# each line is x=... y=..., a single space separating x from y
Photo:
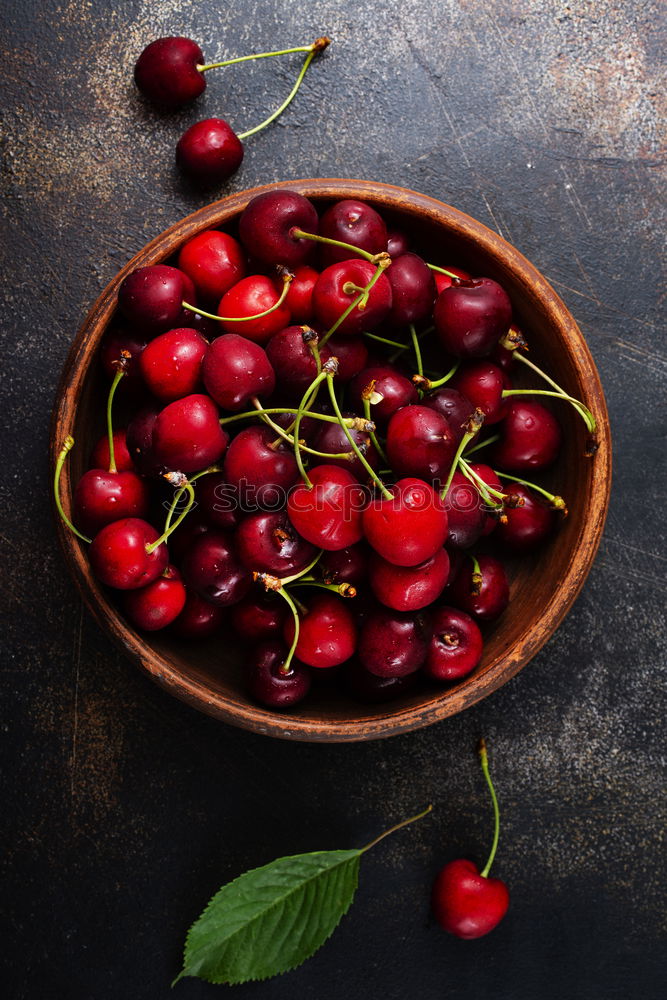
x=397 y=243
x=330 y=298
x=392 y=644
x=119 y=343
x=260 y=471
x=150 y=298
x=329 y=514
x=250 y=296
x=409 y=527
x=466 y=513
x=213 y=569
x=333 y=440
x=456 y=645
x=157 y=605
x=140 y=440
x=234 y=370
x=486 y=473
x=408 y=588
x=218 y=501
x=349 y=565
x=470 y=318
x=209 y=151
x=290 y=352
x=351 y=353
x=530 y=438
x=412 y=288
x=494 y=594
x=102 y=497
x=483 y=383
x=420 y=443
x=259 y=616
x=267 y=543
x=524 y=528
x=187 y=436
x=352 y=222
x=266 y=225
x=170 y=364
x=467 y=904
x=214 y=261
x=199 y=618
x=269 y=683
x=119 y=557
x=99 y=458
x=396 y=391
x=453 y=406
x=327 y=633
x=443 y=281
x=299 y=299
x=167 y=72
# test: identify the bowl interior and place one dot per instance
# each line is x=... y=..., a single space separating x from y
x=209 y=675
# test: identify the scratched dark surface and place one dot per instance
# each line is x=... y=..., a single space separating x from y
x=122 y=808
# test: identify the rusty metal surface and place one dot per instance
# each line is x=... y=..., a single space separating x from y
x=124 y=809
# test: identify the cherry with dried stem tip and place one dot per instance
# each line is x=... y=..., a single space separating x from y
x=317 y=46
x=555 y=501
x=473 y=427
x=277 y=586
x=368 y=397
x=427 y=384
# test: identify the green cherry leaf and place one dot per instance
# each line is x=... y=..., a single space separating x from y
x=271 y=919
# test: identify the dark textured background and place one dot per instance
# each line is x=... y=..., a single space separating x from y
x=123 y=809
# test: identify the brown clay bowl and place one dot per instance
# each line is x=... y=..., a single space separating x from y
x=208 y=676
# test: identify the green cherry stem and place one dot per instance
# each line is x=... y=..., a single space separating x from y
x=556 y=502
x=484 y=488
x=297 y=576
x=418 y=353
x=482 y=444
x=397 y=826
x=64 y=452
x=442 y=270
x=406 y=347
x=427 y=384
x=373 y=436
x=291 y=440
x=181 y=490
x=185 y=486
x=484 y=760
x=316 y=47
x=582 y=410
x=385 y=340
x=257 y=55
x=342 y=589
x=112 y=392
x=361 y=299
x=371 y=472
x=312 y=389
x=287 y=277
x=356 y=422
x=297 y=627
x=301 y=234
x=472 y=427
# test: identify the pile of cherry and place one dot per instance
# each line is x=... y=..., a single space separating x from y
x=292 y=472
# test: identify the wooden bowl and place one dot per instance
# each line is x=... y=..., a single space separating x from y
x=208 y=675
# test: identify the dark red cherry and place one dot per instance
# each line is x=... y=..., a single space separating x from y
x=259 y=616
x=408 y=528
x=209 y=151
x=331 y=299
x=260 y=468
x=396 y=391
x=266 y=225
x=392 y=644
x=465 y=902
x=99 y=458
x=214 y=261
x=456 y=645
x=483 y=383
x=267 y=543
x=348 y=565
x=249 y=297
x=140 y=440
x=213 y=569
x=184 y=536
x=101 y=497
x=408 y=588
x=398 y=243
x=530 y=438
x=269 y=683
x=218 y=501
x=493 y=596
x=170 y=364
x=471 y=317
x=292 y=356
x=199 y=619
x=334 y=441
x=329 y=514
x=420 y=443
x=467 y=515
x=167 y=72
x=525 y=527
x=119 y=343
x=157 y=605
x=443 y=281
x=351 y=353
x=352 y=222
x=150 y=298
x=486 y=473
x=299 y=299
x=453 y=406
x=234 y=370
x=119 y=557
x=412 y=288
x=370 y=689
x=187 y=436
x=327 y=633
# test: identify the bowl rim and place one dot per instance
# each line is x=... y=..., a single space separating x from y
x=392 y=721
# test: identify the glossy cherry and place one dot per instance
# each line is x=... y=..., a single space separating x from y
x=329 y=514
x=530 y=438
x=267 y=543
x=99 y=458
x=213 y=569
x=466 y=513
x=139 y=439
x=291 y=352
x=260 y=615
x=300 y=295
x=266 y=225
x=167 y=72
x=269 y=683
x=187 y=436
x=249 y=297
x=409 y=527
x=170 y=365
x=102 y=496
x=408 y=588
x=327 y=631
x=333 y=439
x=199 y=619
x=353 y=222
x=398 y=242
x=471 y=317
x=218 y=501
x=489 y=477
x=214 y=261
x=349 y=565
x=351 y=354
x=493 y=596
x=412 y=288
x=524 y=528
x=420 y=443
x=234 y=370
x=150 y=298
x=261 y=468
x=395 y=389
x=456 y=645
x=483 y=383
x=392 y=644
x=128 y=344
x=120 y=557
x=209 y=151
x=453 y=406
x=443 y=281
x=157 y=605
x=331 y=299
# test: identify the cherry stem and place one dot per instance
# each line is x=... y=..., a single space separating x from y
x=557 y=502
x=291 y=440
x=64 y=452
x=418 y=353
x=112 y=392
x=314 y=49
x=360 y=300
x=442 y=270
x=484 y=488
x=297 y=627
x=313 y=387
x=286 y=277
x=373 y=436
x=385 y=340
x=181 y=490
x=484 y=760
x=441 y=381
x=297 y=576
x=184 y=513
x=342 y=589
x=371 y=472
x=483 y=444
x=350 y=421
x=406 y=347
x=473 y=425
x=583 y=411
x=301 y=234
x=397 y=826
x=256 y=55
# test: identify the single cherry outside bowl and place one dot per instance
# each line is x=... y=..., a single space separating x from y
x=208 y=675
